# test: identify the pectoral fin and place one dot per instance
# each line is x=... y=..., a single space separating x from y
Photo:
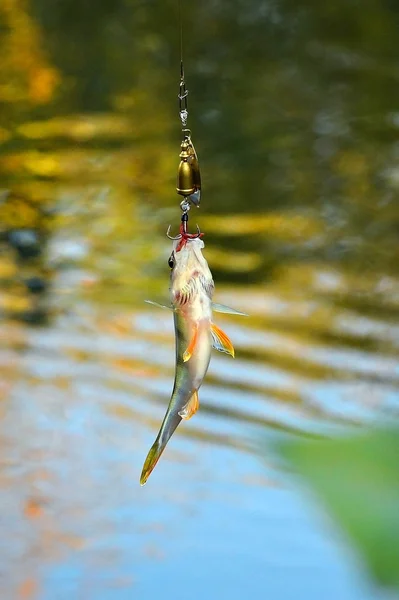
x=221 y=308
x=188 y=353
x=190 y=408
x=158 y=305
x=221 y=340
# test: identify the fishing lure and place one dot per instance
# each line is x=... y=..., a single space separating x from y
x=191 y=292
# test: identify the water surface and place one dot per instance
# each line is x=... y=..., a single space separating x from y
x=294 y=112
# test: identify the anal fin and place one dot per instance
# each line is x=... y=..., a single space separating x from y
x=189 y=352
x=191 y=407
x=221 y=340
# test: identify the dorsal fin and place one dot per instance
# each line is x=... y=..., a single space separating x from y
x=221 y=308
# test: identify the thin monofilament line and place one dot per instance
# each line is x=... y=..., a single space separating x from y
x=181 y=34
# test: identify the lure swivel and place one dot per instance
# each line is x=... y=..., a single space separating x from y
x=188 y=174
x=182 y=95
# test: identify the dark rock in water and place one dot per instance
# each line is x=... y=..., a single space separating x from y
x=26 y=242
x=36 y=285
x=34 y=316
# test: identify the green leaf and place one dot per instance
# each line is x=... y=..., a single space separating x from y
x=357 y=478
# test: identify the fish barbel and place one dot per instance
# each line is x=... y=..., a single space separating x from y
x=191 y=291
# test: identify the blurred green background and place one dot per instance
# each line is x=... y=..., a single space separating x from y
x=294 y=108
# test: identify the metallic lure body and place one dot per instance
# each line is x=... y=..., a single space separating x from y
x=191 y=290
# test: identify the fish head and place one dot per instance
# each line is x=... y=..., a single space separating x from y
x=189 y=270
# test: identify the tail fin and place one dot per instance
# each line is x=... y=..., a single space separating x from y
x=167 y=429
x=152 y=458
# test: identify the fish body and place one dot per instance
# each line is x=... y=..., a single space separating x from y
x=191 y=291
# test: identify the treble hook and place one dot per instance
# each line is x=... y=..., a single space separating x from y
x=184 y=235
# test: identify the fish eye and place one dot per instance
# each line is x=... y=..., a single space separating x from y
x=171 y=261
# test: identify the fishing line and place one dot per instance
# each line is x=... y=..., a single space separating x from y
x=188 y=175
x=181 y=35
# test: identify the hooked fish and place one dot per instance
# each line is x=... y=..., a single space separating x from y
x=191 y=291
